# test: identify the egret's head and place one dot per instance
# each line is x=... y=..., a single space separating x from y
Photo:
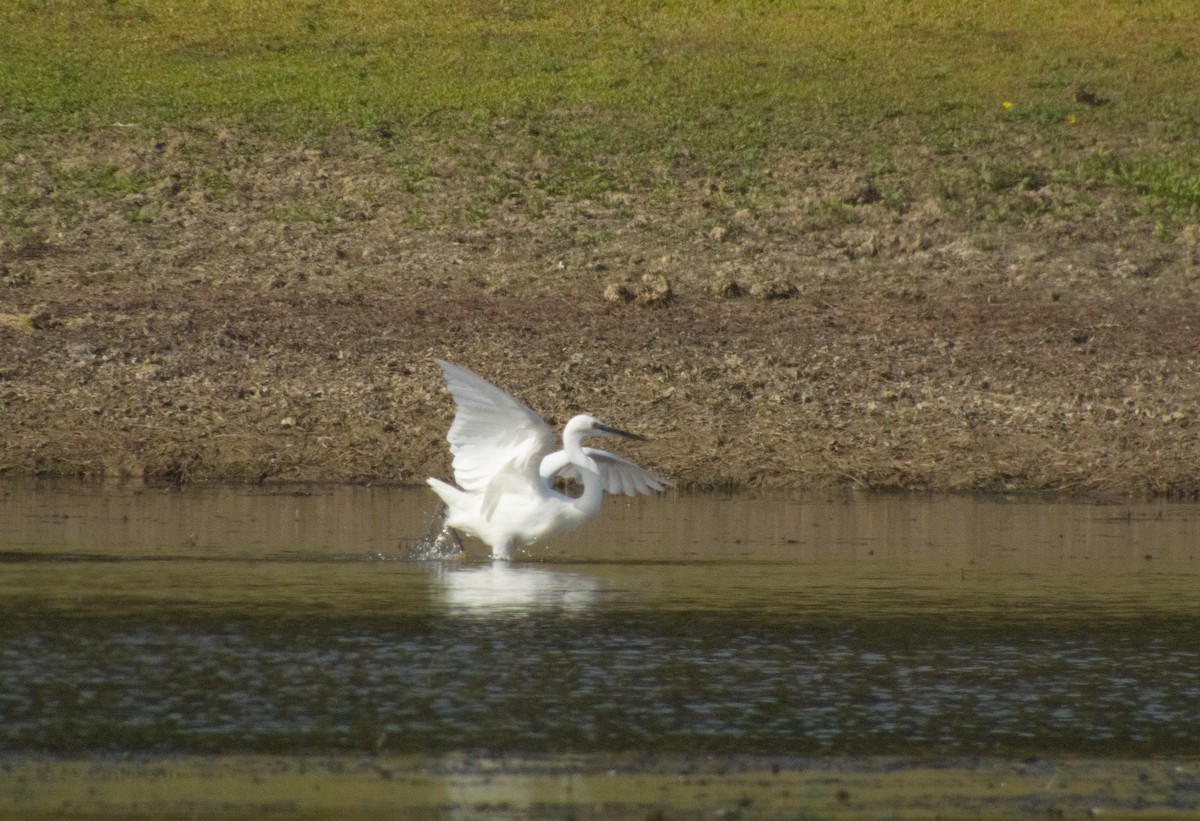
x=586 y=426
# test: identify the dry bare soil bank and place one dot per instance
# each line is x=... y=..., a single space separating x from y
x=211 y=305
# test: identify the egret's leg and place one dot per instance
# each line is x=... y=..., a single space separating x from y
x=501 y=551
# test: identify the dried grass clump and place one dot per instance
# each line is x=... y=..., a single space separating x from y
x=774 y=289
x=654 y=290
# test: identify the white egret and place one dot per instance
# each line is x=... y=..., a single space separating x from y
x=506 y=471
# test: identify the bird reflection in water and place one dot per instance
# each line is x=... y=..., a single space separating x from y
x=501 y=587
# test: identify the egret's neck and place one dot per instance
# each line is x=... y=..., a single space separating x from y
x=573 y=441
x=588 y=502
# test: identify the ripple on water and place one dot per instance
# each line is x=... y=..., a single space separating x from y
x=608 y=682
x=877 y=625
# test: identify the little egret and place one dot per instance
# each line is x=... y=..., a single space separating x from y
x=506 y=471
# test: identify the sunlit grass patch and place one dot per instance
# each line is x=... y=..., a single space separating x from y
x=214 y=184
x=65 y=190
x=611 y=97
x=742 y=71
x=1169 y=184
x=1002 y=176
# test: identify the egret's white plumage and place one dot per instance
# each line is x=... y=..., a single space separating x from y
x=505 y=468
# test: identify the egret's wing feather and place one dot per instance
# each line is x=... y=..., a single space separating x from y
x=502 y=481
x=493 y=433
x=618 y=473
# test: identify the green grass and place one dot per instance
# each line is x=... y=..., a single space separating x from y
x=1170 y=185
x=742 y=69
x=615 y=90
x=66 y=190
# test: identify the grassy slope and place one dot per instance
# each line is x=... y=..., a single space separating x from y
x=729 y=83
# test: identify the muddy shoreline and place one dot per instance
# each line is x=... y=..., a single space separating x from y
x=174 y=330
x=609 y=787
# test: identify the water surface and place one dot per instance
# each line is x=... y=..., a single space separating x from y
x=237 y=620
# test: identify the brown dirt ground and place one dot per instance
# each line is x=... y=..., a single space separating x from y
x=241 y=310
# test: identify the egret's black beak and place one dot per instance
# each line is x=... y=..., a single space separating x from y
x=618 y=432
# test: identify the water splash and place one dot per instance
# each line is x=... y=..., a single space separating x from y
x=440 y=543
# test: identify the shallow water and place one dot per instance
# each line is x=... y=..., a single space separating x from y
x=235 y=620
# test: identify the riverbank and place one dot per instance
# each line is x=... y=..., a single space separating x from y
x=609 y=787
x=896 y=349
x=973 y=280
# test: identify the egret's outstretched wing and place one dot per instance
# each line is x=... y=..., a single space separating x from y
x=494 y=436
x=618 y=473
